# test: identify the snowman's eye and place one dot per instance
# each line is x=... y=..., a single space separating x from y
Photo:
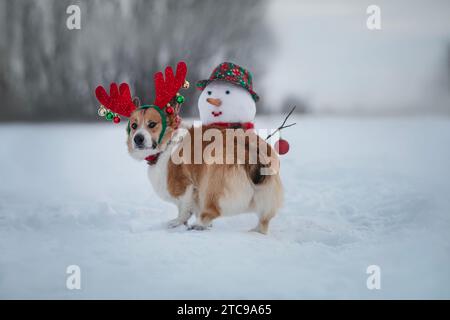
x=209 y=93
x=227 y=92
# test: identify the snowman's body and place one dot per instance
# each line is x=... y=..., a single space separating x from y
x=224 y=102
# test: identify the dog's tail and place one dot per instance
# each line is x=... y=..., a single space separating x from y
x=268 y=165
x=255 y=175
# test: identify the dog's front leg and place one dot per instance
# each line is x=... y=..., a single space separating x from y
x=183 y=217
x=184 y=209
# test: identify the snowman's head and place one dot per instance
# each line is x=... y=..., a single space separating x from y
x=223 y=101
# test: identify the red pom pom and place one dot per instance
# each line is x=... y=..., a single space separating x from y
x=169 y=110
x=116 y=119
x=282 y=146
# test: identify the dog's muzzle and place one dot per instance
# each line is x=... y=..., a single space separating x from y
x=139 y=141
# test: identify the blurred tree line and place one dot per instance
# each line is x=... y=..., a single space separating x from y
x=48 y=72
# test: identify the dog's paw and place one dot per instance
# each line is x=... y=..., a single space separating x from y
x=197 y=227
x=175 y=223
x=258 y=230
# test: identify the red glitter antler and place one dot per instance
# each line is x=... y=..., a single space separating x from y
x=166 y=89
x=119 y=99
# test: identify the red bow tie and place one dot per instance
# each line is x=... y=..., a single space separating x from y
x=152 y=159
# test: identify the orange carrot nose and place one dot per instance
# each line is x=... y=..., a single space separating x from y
x=214 y=102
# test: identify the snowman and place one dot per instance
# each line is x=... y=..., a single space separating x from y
x=228 y=100
x=227 y=97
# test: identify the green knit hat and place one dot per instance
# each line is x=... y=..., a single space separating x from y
x=231 y=72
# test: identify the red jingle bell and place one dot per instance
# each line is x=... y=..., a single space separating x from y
x=169 y=110
x=282 y=146
x=116 y=119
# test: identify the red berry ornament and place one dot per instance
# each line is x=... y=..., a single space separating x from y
x=169 y=110
x=282 y=146
x=116 y=119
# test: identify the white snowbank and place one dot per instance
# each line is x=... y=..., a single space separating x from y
x=358 y=192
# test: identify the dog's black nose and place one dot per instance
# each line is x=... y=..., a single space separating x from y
x=139 y=140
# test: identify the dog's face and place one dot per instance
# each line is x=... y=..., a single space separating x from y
x=145 y=129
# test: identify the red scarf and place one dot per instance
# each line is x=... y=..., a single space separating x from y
x=234 y=125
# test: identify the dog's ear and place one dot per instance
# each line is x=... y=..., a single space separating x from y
x=137 y=102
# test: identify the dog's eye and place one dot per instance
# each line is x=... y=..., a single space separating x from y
x=227 y=92
x=151 y=124
x=134 y=126
x=209 y=93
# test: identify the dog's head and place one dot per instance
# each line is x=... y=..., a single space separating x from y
x=150 y=129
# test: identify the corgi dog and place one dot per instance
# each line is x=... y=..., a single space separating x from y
x=207 y=190
x=206 y=186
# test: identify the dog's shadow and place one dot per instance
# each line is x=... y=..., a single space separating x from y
x=157 y=226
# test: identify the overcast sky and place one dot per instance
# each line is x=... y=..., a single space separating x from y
x=327 y=55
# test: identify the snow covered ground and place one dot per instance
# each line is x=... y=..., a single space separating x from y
x=359 y=192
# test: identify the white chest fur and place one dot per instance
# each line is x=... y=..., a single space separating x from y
x=158 y=172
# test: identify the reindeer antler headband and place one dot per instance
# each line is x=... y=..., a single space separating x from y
x=119 y=101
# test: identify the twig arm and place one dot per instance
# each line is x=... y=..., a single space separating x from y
x=283 y=126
